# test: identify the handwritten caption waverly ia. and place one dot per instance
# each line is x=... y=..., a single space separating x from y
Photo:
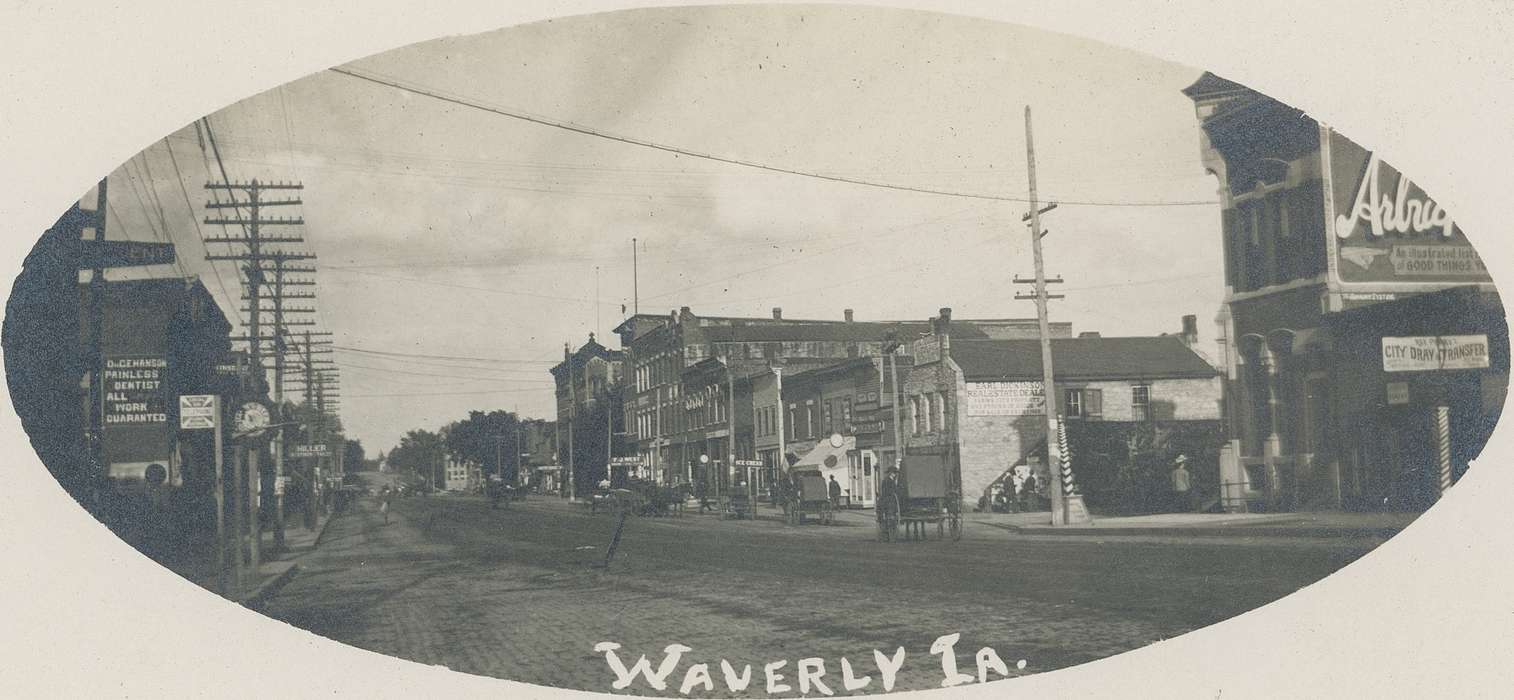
x=808 y=674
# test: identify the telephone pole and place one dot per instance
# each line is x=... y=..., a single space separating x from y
x=309 y=377
x=257 y=278
x=1066 y=507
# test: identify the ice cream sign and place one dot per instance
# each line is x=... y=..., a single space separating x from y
x=1387 y=229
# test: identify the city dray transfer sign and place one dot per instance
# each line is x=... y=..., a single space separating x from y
x=1430 y=353
x=1386 y=229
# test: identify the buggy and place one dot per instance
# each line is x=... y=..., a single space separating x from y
x=928 y=494
x=812 y=497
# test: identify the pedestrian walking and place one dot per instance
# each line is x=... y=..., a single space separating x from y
x=889 y=497
x=1028 y=492
x=834 y=491
x=1182 y=485
x=384 y=505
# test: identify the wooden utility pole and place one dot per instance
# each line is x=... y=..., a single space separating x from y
x=567 y=359
x=97 y=481
x=310 y=374
x=1066 y=508
x=257 y=278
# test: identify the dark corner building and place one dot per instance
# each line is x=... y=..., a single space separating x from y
x=589 y=415
x=1362 y=333
x=159 y=338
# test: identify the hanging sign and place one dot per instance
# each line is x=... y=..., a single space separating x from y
x=124 y=254
x=317 y=450
x=1386 y=229
x=1005 y=399
x=1436 y=352
x=197 y=412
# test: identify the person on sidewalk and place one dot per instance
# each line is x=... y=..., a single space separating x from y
x=1182 y=485
x=1028 y=492
x=834 y=491
x=384 y=505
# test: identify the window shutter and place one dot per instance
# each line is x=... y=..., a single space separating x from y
x=1093 y=402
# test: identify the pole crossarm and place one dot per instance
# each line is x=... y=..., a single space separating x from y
x=254 y=185
x=261 y=239
x=261 y=221
x=243 y=204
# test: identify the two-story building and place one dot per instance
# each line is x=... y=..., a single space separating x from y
x=1357 y=319
x=976 y=407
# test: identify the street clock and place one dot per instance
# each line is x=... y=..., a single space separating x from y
x=252 y=417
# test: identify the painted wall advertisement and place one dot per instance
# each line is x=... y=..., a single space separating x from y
x=1387 y=229
x=1005 y=399
x=135 y=410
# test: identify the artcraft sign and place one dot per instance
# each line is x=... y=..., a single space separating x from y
x=1431 y=353
x=1005 y=399
x=1386 y=229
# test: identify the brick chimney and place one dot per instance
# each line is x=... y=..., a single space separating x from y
x=1190 y=330
x=847 y=314
x=778 y=313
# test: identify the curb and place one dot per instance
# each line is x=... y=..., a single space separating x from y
x=269 y=588
x=322 y=532
x=1214 y=531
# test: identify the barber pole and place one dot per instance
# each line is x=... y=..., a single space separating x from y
x=1068 y=487
x=1443 y=439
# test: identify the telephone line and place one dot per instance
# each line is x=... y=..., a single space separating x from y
x=586 y=131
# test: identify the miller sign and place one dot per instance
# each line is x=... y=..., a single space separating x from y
x=1386 y=229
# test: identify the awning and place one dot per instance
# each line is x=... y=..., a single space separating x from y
x=821 y=456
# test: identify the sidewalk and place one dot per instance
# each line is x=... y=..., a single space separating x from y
x=1315 y=524
x=271 y=575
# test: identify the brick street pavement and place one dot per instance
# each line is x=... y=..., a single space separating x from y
x=511 y=593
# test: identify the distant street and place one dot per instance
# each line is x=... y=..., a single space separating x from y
x=511 y=593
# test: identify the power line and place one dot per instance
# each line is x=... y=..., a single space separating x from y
x=442 y=393
x=511 y=292
x=199 y=234
x=349 y=348
x=586 y=131
x=518 y=380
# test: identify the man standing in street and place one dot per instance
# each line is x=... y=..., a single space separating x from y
x=1182 y=485
x=834 y=491
x=889 y=497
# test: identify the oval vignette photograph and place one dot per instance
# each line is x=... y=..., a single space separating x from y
x=756 y=351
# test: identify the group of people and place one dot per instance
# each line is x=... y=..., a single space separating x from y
x=1017 y=495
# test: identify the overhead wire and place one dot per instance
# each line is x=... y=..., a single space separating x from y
x=645 y=143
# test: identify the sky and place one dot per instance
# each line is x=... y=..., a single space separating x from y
x=459 y=249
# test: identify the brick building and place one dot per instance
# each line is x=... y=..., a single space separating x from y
x=976 y=406
x=660 y=349
x=851 y=399
x=590 y=420
x=1334 y=260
